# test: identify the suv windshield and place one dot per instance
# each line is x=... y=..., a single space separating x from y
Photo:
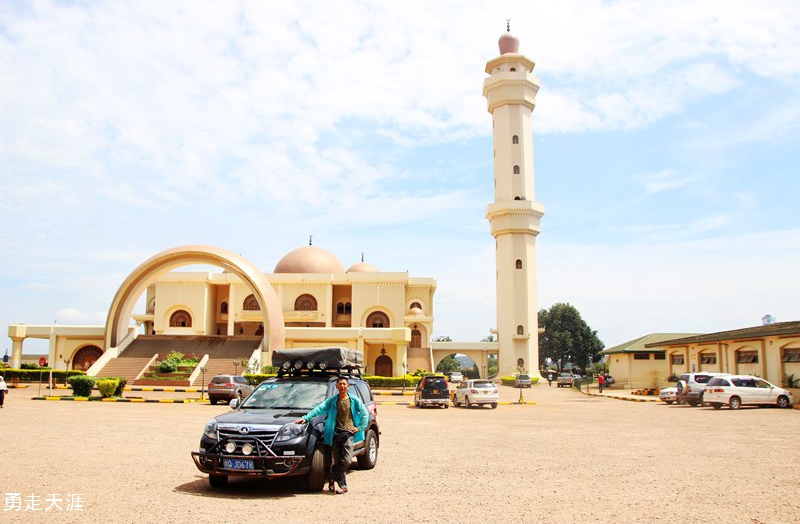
x=524 y=377
x=287 y=395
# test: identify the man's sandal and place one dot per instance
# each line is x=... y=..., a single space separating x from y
x=331 y=485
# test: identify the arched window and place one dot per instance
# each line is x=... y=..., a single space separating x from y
x=516 y=170
x=415 y=305
x=223 y=308
x=378 y=319
x=347 y=308
x=519 y=264
x=251 y=304
x=305 y=303
x=180 y=318
x=340 y=308
x=515 y=139
x=85 y=357
x=520 y=330
x=416 y=338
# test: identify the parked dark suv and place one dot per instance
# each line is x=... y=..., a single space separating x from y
x=259 y=437
x=432 y=390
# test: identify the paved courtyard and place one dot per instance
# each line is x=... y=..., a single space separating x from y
x=568 y=458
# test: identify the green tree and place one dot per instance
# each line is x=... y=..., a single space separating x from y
x=567 y=337
x=448 y=365
x=492 y=367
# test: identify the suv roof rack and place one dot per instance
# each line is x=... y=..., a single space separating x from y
x=297 y=361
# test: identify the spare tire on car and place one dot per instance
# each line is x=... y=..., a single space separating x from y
x=681 y=387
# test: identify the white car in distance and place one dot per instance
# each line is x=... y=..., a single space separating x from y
x=476 y=393
x=741 y=390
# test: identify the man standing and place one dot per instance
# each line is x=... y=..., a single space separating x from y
x=601 y=379
x=347 y=418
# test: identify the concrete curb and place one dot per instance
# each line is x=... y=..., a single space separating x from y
x=618 y=397
x=124 y=400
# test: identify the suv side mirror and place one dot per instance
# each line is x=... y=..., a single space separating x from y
x=233 y=403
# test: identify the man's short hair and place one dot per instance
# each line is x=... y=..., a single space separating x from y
x=342 y=377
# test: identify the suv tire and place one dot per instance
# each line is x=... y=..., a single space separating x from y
x=218 y=481
x=735 y=402
x=783 y=402
x=317 y=476
x=369 y=458
x=467 y=402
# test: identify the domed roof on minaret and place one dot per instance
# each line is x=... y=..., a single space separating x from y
x=508 y=43
x=309 y=259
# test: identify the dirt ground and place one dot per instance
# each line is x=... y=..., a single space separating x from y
x=569 y=458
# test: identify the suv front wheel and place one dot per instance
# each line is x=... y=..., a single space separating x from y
x=318 y=475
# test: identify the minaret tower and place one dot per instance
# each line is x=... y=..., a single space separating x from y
x=514 y=217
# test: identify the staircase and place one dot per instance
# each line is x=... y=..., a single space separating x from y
x=222 y=352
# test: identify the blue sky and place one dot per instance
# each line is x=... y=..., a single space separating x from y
x=665 y=143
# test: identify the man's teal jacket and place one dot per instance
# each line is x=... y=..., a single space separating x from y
x=328 y=406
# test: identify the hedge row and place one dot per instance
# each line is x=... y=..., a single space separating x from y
x=509 y=381
x=32 y=375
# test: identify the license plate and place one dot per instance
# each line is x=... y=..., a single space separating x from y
x=484 y=392
x=237 y=464
x=435 y=391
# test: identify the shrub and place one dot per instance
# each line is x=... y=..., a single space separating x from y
x=509 y=381
x=107 y=387
x=167 y=366
x=257 y=378
x=81 y=385
x=389 y=382
x=121 y=383
x=177 y=356
x=269 y=370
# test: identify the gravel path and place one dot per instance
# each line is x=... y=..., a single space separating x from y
x=568 y=458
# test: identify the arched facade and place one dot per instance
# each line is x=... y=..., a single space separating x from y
x=121 y=310
x=378 y=319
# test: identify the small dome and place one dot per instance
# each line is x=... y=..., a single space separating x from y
x=362 y=267
x=309 y=259
x=508 y=43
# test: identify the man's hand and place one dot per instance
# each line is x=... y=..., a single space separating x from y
x=300 y=421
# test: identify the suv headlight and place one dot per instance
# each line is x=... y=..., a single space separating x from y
x=211 y=430
x=290 y=431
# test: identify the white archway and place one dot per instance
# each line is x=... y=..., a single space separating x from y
x=121 y=310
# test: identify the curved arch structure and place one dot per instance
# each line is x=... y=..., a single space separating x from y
x=121 y=309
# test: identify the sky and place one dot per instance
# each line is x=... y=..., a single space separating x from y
x=665 y=142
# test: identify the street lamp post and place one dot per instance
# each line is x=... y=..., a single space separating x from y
x=521 y=399
x=202 y=381
x=405 y=372
x=235 y=367
x=66 y=369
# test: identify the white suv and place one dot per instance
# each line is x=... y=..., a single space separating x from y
x=692 y=385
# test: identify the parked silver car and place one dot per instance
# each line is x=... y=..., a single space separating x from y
x=476 y=392
x=228 y=387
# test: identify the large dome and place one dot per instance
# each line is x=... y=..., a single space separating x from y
x=309 y=259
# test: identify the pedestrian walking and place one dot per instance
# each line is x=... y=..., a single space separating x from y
x=3 y=391
x=347 y=418
x=601 y=379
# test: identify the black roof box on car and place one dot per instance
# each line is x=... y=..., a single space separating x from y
x=324 y=359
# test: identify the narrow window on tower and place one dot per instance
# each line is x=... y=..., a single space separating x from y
x=515 y=139
x=516 y=170
x=519 y=264
x=520 y=330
